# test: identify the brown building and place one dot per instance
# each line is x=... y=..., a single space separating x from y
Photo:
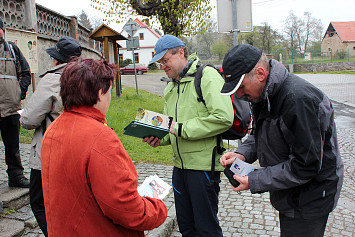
x=340 y=36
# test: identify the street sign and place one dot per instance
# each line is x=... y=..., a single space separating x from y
x=132 y=43
x=243 y=15
x=131 y=27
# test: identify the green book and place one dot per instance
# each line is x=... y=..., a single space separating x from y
x=148 y=124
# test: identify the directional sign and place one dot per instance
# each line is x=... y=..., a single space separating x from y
x=132 y=43
x=131 y=27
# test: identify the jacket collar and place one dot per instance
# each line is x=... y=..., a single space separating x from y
x=278 y=74
x=59 y=69
x=89 y=111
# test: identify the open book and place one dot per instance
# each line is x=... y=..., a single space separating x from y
x=154 y=187
x=148 y=124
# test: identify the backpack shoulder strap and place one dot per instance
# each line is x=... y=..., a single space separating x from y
x=198 y=77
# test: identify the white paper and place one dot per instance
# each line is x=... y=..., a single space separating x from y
x=154 y=187
x=242 y=168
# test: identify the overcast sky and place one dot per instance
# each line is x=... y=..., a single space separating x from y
x=274 y=12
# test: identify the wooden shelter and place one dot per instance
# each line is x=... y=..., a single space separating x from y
x=106 y=34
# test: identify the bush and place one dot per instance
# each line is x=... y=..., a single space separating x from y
x=153 y=66
x=125 y=62
x=340 y=54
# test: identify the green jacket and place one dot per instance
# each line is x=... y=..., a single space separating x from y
x=196 y=124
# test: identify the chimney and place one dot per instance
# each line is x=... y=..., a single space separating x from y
x=146 y=20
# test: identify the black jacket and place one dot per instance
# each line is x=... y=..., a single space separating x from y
x=296 y=141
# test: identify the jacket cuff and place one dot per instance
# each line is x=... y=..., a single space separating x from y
x=178 y=129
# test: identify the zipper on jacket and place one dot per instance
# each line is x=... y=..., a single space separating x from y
x=177 y=144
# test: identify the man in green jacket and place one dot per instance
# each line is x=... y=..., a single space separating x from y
x=193 y=136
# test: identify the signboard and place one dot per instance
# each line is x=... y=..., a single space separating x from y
x=27 y=43
x=132 y=43
x=131 y=27
x=225 y=15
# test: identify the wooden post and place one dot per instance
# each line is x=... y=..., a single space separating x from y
x=118 y=76
x=33 y=82
x=106 y=48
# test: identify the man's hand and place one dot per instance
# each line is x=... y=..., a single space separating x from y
x=172 y=126
x=229 y=157
x=243 y=183
x=152 y=141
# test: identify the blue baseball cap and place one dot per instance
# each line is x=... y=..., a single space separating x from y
x=165 y=43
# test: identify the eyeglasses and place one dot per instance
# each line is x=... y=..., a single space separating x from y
x=165 y=61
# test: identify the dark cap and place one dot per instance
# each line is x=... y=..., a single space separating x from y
x=165 y=43
x=65 y=49
x=238 y=61
x=1 y=24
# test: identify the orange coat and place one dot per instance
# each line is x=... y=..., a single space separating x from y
x=89 y=181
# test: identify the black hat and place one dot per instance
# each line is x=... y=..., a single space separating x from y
x=1 y=24
x=238 y=61
x=66 y=48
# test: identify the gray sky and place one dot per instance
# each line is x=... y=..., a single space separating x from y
x=274 y=12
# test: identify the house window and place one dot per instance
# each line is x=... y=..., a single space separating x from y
x=136 y=57
x=353 y=48
x=120 y=56
x=141 y=36
x=152 y=54
x=329 y=49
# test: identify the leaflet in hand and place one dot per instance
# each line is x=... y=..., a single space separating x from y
x=148 y=124
x=242 y=168
x=154 y=187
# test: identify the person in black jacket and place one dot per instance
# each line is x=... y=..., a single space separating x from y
x=15 y=77
x=294 y=139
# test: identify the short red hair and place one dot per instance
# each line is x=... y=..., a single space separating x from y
x=82 y=79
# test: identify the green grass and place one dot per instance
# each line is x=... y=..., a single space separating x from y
x=121 y=112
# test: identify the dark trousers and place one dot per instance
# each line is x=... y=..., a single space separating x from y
x=294 y=227
x=10 y=132
x=196 y=202
x=37 y=201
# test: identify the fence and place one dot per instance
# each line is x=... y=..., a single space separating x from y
x=313 y=56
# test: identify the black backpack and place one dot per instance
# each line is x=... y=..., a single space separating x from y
x=241 y=122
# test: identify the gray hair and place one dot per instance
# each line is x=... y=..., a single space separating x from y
x=263 y=62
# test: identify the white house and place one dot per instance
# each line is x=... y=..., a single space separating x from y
x=147 y=40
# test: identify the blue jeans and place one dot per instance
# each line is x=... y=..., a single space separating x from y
x=196 y=202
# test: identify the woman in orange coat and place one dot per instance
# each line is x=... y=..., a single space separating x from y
x=89 y=181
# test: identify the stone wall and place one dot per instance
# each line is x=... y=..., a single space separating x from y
x=50 y=26
x=322 y=67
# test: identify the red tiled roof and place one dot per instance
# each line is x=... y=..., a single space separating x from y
x=345 y=30
x=141 y=24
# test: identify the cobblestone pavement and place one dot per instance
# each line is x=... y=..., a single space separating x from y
x=245 y=214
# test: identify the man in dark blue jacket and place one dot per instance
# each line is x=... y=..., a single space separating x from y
x=294 y=139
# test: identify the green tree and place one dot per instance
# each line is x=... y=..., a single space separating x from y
x=220 y=48
x=176 y=17
x=84 y=20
